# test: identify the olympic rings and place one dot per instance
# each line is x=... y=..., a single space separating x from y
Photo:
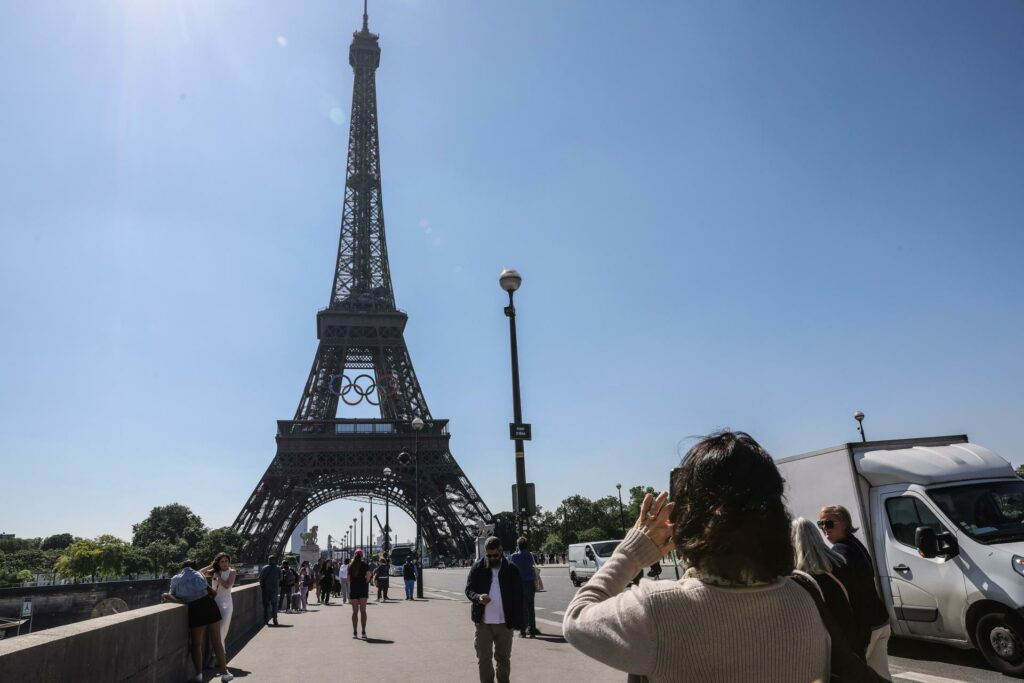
x=362 y=388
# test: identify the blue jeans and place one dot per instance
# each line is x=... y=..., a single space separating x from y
x=270 y=605
x=409 y=583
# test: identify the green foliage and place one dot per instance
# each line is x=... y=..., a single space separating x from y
x=13 y=545
x=87 y=557
x=57 y=542
x=80 y=560
x=170 y=524
x=593 y=533
x=1020 y=470
x=225 y=539
x=553 y=544
x=164 y=558
x=24 y=576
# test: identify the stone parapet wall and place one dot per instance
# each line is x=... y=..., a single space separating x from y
x=149 y=644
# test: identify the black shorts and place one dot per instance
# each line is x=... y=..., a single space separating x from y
x=203 y=612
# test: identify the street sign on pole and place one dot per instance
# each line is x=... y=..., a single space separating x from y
x=520 y=432
x=531 y=499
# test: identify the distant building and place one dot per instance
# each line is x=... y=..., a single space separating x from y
x=302 y=528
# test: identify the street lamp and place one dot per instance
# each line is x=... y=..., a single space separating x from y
x=355 y=528
x=417 y=427
x=510 y=280
x=362 y=538
x=370 y=537
x=622 y=518
x=387 y=512
x=859 y=417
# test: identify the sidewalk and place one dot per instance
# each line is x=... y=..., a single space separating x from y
x=425 y=641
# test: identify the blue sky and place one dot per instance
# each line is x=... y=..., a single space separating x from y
x=756 y=215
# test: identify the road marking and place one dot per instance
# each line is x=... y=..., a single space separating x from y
x=548 y=621
x=540 y=608
x=561 y=614
x=925 y=678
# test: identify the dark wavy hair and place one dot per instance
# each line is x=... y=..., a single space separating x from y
x=730 y=516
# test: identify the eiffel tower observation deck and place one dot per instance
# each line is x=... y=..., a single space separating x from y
x=362 y=357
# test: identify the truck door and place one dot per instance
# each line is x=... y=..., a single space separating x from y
x=929 y=595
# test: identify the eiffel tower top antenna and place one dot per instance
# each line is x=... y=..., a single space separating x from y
x=366 y=18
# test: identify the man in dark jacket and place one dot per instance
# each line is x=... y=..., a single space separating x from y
x=496 y=591
x=270 y=586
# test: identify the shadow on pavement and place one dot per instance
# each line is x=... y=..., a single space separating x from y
x=936 y=652
x=379 y=641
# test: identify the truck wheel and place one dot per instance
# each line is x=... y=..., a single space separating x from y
x=1000 y=637
x=576 y=582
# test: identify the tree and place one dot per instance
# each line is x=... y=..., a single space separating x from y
x=80 y=560
x=57 y=542
x=594 y=533
x=169 y=523
x=225 y=539
x=135 y=561
x=553 y=544
x=1020 y=470
x=112 y=554
x=163 y=557
x=505 y=529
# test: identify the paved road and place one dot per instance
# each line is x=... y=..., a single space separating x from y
x=909 y=660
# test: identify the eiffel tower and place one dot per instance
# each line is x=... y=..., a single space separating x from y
x=362 y=356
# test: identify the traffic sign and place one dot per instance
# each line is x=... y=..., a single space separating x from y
x=520 y=432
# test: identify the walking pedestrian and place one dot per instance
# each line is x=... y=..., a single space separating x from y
x=819 y=571
x=358 y=590
x=827 y=568
x=270 y=587
x=496 y=591
x=305 y=583
x=409 y=577
x=868 y=609
x=326 y=582
x=189 y=587
x=343 y=581
x=381 y=574
x=289 y=581
x=735 y=616
x=522 y=558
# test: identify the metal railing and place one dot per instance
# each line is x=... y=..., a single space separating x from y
x=362 y=427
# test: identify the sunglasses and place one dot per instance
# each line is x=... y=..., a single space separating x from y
x=826 y=524
x=493 y=557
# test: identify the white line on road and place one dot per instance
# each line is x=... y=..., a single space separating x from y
x=548 y=621
x=561 y=614
x=925 y=678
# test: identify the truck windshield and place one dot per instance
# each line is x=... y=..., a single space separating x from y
x=605 y=548
x=992 y=512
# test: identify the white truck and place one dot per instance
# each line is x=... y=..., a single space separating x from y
x=586 y=558
x=944 y=522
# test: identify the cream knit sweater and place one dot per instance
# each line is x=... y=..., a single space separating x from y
x=669 y=631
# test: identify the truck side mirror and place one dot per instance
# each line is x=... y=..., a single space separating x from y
x=926 y=542
x=950 y=546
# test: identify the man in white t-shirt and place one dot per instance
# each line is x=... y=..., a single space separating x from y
x=494 y=588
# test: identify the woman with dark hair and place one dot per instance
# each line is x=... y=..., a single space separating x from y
x=358 y=590
x=735 y=615
x=223 y=578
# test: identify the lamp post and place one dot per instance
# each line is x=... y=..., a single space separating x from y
x=355 y=530
x=417 y=426
x=510 y=280
x=859 y=417
x=387 y=512
x=362 y=538
x=370 y=537
x=622 y=518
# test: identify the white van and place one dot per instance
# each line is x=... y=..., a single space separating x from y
x=944 y=522
x=587 y=558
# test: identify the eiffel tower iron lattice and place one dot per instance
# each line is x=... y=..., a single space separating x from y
x=362 y=356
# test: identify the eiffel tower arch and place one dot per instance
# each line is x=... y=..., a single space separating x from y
x=362 y=357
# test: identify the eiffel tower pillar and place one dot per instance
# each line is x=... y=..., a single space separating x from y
x=362 y=357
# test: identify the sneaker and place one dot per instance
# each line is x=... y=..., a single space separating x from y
x=275 y=622
x=364 y=635
x=225 y=677
x=354 y=634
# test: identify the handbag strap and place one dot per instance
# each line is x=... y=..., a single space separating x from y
x=841 y=586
